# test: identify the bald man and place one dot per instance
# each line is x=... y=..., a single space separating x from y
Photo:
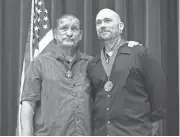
x=128 y=84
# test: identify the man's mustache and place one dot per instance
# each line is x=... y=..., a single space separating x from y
x=70 y=39
x=104 y=30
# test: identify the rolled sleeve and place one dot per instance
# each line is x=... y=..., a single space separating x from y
x=32 y=83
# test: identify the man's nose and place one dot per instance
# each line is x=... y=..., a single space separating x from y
x=102 y=25
x=69 y=33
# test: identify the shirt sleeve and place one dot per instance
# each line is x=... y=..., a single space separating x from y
x=155 y=85
x=32 y=83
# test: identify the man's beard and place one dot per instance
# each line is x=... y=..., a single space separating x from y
x=102 y=38
x=101 y=35
x=109 y=37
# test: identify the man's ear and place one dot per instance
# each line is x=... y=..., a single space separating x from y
x=80 y=35
x=121 y=27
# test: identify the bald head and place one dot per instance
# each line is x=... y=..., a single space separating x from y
x=108 y=25
x=108 y=13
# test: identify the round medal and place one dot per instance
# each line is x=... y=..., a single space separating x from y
x=108 y=86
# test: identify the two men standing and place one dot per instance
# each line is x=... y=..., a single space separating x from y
x=127 y=85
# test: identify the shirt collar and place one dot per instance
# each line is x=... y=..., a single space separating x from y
x=124 y=49
x=109 y=53
x=58 y=55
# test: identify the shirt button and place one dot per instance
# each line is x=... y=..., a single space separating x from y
x=109 y=122
x=107 y=108
x=108 y=96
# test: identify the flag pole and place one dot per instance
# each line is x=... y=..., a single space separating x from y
x=179 y=56
x=31 y=58
x=31 y=33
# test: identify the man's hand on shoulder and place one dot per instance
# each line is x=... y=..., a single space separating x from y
x=133 y=43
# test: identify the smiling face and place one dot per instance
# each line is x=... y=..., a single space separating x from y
x=108 y=25
x=68 y=32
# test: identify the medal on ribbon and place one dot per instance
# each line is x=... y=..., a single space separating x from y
x=107 y=67
x=108 y=86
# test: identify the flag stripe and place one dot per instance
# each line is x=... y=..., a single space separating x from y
x=44 y=42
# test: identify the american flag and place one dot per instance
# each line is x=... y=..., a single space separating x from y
x=41 y=31
x=40 y=35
